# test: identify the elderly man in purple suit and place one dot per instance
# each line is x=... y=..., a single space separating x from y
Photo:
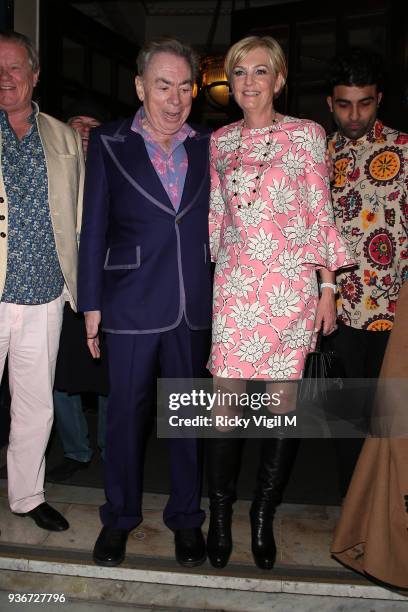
x=144 y=274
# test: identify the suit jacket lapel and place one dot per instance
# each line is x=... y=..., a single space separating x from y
x=196 y=172
x=128 y=151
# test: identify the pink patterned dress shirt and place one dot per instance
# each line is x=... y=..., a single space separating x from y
x=171 y=166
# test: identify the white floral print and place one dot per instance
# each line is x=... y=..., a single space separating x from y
x=238 y=283
x=223 y=259
x=291 y=264
x=312 y=195
x=267 y=246
x=265 y=150
x=282 y=196
x=232 y=235
x=309 y=140
x=253 y=215
x=229 y=142
x=297 y=234
x=247 y=316
x=293 y=164
x=282 y=301
x=220 y=331
x=221 y=165
x=253 y=349
x=241 y=182
x=297 y=335
x=282 y=367
x=261 y=246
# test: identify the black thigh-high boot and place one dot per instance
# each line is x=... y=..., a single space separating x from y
x=276 y=461
x=223 y=461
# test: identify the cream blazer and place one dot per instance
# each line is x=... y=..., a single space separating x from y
x=65 y=168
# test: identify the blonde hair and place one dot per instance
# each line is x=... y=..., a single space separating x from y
x=241 y=48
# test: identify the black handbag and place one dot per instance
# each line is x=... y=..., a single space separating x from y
x=323 y=374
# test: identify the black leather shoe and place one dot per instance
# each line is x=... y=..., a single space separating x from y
x=190 y=547
x=47 y=517
x=64 y=470
x=110 y=547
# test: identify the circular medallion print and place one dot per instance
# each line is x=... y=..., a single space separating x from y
x=379 y=249
x=379 y=323
x=340 y=169
x=385 y=166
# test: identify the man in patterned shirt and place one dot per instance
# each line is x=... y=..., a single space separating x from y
x=371 y=210
x=40 y=190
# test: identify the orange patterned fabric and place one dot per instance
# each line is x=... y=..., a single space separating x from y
x=370 y=203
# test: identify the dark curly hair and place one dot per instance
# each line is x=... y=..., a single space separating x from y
x=357 y=66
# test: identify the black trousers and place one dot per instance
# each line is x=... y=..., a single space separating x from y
x=361 y=353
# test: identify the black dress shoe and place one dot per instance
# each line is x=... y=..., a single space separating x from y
x=64 y=470
x=47 y=517
x=110 y=547
x=190 y=547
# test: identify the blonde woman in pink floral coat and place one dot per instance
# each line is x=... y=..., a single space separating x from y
x=271 y=228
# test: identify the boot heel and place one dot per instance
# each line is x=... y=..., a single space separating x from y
x=277 y=458
x=263 y=540
x=223 y=458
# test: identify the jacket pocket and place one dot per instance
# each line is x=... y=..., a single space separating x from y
x=122 y=258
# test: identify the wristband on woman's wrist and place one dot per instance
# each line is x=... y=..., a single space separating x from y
x=329 y=286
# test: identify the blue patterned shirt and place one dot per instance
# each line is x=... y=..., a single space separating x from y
x=33 y=272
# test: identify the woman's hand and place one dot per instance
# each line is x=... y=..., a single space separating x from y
x=92 y=320
x=326 y=312
x=329 y=165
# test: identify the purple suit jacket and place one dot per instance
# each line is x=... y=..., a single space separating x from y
x=141 y=263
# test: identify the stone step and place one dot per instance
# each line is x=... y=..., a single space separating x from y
x=36 y=561
x=148 y=581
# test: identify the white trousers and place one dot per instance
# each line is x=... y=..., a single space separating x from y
x=30 y=336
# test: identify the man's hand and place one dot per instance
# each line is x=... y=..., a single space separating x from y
x=326 y=313
x=92 y=321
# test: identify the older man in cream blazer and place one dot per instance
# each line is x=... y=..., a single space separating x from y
x=40 y=194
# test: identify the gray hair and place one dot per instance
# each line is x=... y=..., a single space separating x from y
x=23 y=41
x=167 y=45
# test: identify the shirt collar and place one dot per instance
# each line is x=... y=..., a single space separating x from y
x=36 y=109
x=32 y=117
x=375 y=134
x=186 y=131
